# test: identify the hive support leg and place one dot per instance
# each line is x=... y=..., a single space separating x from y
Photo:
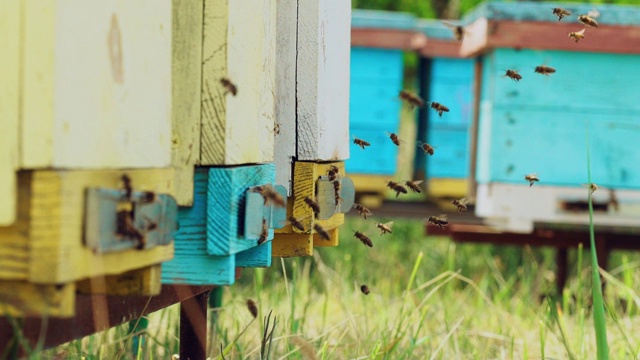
x=561 y=273
x=422 y=126
x=193 y=327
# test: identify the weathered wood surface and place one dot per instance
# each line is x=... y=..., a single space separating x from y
x=322 y=92
x=144 y=281
x=124 y=58
x=9 y=104
x=22 y=298
x=239 y=43
x=187 y=27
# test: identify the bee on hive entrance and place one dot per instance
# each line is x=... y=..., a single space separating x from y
x=361 y=143
x=394 y=138
x=578 y=35
x=385 y=228
x=439 y=221
x=364 y=238
x=265 y=232
x=365 y=289
x=332 y=173
x=396 y=187
x=253 y=308
x=587 y=20
x=426 y=148
x=461 y=204
x=412 y=99
x=336 y=188
x=560 y=12
x=270 y=195
x=414 y=185
x=531 y=178
x=295 y=223
x=231 y=87
x=323 y=233
x=363 y=211
x=439 y=108
x=313 y=205
x=513 y=74
x=544 y=70
x=128 y=189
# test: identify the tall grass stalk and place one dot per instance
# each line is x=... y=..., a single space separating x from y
x=598 y=301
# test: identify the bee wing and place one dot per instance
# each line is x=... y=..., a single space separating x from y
x=581 y=32
x=442 y=216
x=593 y=13
x=389 y=224
x=417 y=182
x=463 y=201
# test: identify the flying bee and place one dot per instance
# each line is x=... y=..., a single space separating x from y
x=385 y=228
x=587 y=20
x=265 y=232
x=513 y=75
x=394 y=138
x=333 y=173
x=560 y=12
x=365 y=289
x=426 y=148
x=593 y=187
x=458 y=30
x=270 y=195
x=364 y=238
x=461 y=204
x=531 y=178
x=253 y=308
x=336 y=188
x=295 y=223
x=313 y=205
x=544 y=70
x=414 y=185
x=361 y=143
x=231 y=87
x=323 y=233
x=439 y=108
x=439 y=221
x=397 y=188
x=577 y=35
x=412 y=99
x=363 y=211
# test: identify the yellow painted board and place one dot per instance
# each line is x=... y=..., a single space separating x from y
x=186 y=92
x=319 y=241
x=145 y=281
x=96 y=84
x=447 y=188
x=21 y=298
x=370 y=183
x=292 y=245
x=9 y=86
x=239 y=43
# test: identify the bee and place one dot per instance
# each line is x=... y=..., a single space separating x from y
x=231 y=87
x=336 y=188
x=587 y=20
x=385 y=228
x=411 y=98
x=577 y=35
x=593 y=187
x=253 y=308
x=560 y=12
x=414 y=185
x=426 y=148
x=128 y=189
x=513 y=74
x=458 y=30
x=394 y=138
x=323 y=233
x=531 y=178
x=270 y=195
x=126 y=228
x=397 y=188
x=365 y=289
x=361 y=143
x=265 y=232
x=364 y=238
x=439 y=108
x=313 y=205
x=148 y=197
x=461 y=204
x=332 y=173
x=363 y=211
x=544 y=70
x=439 y=221
x=295 y=223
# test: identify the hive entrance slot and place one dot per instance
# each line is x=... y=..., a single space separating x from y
x=583 y=206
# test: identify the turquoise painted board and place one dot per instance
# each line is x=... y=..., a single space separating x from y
x=382 y=19
x=367 y=63
x=375 y=105
x=378 y=159
x=259 y=256
x=226 y=206
x=451 y=157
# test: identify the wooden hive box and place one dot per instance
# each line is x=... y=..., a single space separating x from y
x=448 y=79
x=539 y=125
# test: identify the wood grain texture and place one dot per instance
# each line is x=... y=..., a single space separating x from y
x=144 y=281
x=187 y=24
x=9 y=105
x=334 y=241
x=239 y=44
x=259 y=256
x=123 y=57
x=54 y=223
x=286 y=53
x=226 y=206
x=20 y=298
x=322 y=87
x=292 y=245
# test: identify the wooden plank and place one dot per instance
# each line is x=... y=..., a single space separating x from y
x=440 y=48
x=334 y=241
x=285 y=135
x=129 y=71
x=9 y=104
x=323 y=97
x=250 y=64
x=447 y=188
x=187 y=27
x=259 y=256
x=378 y=19
x=21 y=298
x=143 y=281
x=408 y=40
x=292 y=245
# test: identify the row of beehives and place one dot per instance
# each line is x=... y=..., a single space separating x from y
x=499 y=130
x=134 y=133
